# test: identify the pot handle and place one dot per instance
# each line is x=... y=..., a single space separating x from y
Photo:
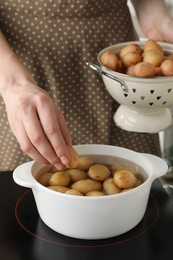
x=22 y=175
x=160 y=167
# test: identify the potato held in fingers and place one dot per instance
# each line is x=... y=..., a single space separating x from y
x=74 y=158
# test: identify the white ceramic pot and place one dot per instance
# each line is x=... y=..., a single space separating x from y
x=144 y=102
x=94 y=217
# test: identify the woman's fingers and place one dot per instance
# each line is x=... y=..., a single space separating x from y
x=63 y=127
x=33 y=151
x=26 y=144
x=43 y=131
x=53 y=128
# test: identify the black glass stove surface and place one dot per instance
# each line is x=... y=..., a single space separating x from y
x=23 y=235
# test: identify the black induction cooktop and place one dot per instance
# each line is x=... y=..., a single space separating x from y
x=24 y=236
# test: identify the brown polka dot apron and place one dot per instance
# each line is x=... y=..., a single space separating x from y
x=53 y=38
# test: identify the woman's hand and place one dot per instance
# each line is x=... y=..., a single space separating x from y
x=38 y=124
x=154 y=19
x=35 y=120
x=161 y=29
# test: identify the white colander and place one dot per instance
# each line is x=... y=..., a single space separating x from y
x=144 y=102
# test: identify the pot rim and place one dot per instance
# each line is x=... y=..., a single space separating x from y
x=35 y=185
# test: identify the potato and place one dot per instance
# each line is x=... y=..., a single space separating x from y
x=152 y=45
x=73 y=192
x=154 y=57
x=131 y=58
x=130 y=48
x=77 y=174
x=61 y=189
x=144 y=69
x=95 y=193
x=131 y=70
x=138 y=182
x=110 y=60
x=110 y=187
x=125 y=169
x=124 y=190
x=85 y=186
x=116 y=166
x=98 y=172
x=60 y=179
x=85 y=163
x=124 y=179
x=122 y=68
x=44 y=178
x=74 y=158
x=158 y=71
x=167 y=68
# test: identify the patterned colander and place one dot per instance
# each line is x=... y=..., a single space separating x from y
x=144 y=102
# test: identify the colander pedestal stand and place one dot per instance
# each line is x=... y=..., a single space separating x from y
x=142 y=120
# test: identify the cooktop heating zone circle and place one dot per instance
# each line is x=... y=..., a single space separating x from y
x=28 y=218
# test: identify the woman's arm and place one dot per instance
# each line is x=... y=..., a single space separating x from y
x=35 y=120
x=154 y=19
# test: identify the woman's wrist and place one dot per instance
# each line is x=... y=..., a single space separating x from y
x=13 y=74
